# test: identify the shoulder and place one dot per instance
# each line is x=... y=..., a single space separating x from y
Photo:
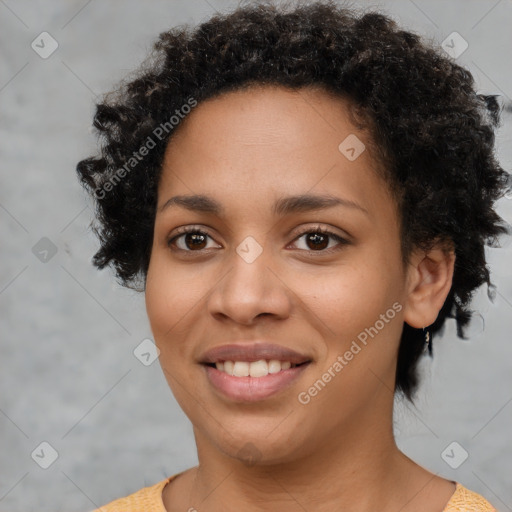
x=464 y=500
x=148 y=499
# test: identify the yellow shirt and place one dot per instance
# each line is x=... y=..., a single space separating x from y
x=149 y=499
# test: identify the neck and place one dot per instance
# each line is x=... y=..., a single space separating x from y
x=359 y=467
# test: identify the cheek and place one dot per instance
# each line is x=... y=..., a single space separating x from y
x=351 y=297
x=359 y=308
x=170 y=298
x=170 y=301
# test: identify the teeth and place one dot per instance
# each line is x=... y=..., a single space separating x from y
x=241 y=369
x=274 y=366
x=259 y=368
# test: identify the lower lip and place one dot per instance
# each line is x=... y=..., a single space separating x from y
x=252 y=389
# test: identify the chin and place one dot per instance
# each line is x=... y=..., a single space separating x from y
x=263 y=447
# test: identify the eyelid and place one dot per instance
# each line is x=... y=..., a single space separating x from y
x=183 y=230
x=341 y=241
x=327 y=230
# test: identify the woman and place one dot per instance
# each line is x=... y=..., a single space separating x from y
x=304 y=197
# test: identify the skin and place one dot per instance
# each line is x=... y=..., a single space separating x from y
x=246 y=149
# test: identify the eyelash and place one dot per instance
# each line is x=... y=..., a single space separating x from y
x=318 y=229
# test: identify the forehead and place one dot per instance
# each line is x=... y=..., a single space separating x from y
x=269 y=114
x=267 y=140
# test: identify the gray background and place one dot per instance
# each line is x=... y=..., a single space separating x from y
x=68 y=373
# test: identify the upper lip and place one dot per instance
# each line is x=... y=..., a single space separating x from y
x=252 y=352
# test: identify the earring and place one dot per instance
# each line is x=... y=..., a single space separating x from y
x=428 y=340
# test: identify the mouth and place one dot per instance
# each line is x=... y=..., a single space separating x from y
x=247 y=388
x=252 y=353
x=245 y=372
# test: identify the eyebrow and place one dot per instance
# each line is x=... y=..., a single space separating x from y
x=283 y=206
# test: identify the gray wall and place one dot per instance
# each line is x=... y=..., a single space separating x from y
x=68 y=373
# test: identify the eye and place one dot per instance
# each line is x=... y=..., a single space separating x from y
x=317 y=239
x=190 y=239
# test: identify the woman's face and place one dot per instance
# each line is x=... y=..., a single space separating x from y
x=263 y=161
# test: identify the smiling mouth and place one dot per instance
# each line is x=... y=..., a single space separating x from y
x=257 y=369
x=253 y=381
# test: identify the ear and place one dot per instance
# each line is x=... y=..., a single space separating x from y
x=429 y=279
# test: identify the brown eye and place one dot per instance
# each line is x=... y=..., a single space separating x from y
x=195 y=240
x=190 y=240
x=318 y=240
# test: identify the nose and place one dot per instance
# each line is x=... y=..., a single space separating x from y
x=250 y=288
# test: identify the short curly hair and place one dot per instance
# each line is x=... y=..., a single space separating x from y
x=435 y=134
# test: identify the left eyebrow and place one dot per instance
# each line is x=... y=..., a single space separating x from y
x=310 y=202
x=283 y=206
